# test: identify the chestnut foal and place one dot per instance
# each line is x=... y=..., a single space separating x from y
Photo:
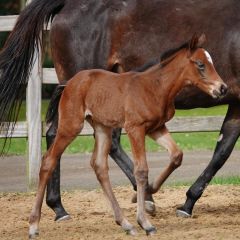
x=141 y=103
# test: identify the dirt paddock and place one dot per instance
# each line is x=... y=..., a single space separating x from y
x=216 y=216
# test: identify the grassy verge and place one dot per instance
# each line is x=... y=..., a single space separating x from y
x=231 y=180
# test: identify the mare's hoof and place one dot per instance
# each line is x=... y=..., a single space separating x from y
x=62 y=218
x=180 y=212
x=149 y=205
x=151 y=231
x=150 y=208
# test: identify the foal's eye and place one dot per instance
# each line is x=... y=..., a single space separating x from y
x=200 y=65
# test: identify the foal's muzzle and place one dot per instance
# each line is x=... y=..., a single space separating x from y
x=221 y=92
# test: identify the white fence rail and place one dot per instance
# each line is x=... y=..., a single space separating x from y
x=34 y=129
x=176 y=125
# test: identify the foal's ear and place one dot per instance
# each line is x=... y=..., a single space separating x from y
x=201 y=40
x=196 y=41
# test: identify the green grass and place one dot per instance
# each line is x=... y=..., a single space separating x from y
x=213 y=111
x=84 y=144
x=186 y=141
x=231 y=180
x=22 y=114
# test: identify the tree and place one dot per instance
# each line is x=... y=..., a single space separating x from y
x=8 y=7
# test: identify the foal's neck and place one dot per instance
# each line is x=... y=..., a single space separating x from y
x=167 y=79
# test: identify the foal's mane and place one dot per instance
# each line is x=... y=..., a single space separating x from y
x=163 y=58
x=173 y=51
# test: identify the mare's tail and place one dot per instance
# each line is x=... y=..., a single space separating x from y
x=18 y=55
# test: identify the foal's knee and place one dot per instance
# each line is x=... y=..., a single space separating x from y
x=141 y=176
x=100 y=171
x=176 y=159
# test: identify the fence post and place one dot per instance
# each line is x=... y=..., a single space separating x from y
x=34 y=97
x=34 y=123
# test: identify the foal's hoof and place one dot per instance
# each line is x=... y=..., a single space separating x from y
x=150 y=208
x=33 y=233
x=32 y=236
x=132 y=232
x=180 y=212
x=151 y=231
x=134 y=198
x=62 y=218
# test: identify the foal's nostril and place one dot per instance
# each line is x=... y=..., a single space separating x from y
x=223 y=89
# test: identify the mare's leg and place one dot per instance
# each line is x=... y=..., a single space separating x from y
x=229 y=134
x=53 y=197
x=49 y=162
x=126 y=164
x=100 y=165
x=121 y=158
x=137 y=138
x=163 y=137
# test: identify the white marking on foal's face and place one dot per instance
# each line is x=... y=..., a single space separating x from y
x=209 y=58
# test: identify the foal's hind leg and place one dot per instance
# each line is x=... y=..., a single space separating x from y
x=66 y=133
x=53 y=196
x=163 y=137
x=100 y=165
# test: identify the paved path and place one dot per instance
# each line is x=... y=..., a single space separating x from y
x=77 y=173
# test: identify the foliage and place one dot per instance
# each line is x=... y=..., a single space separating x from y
x=10 y=7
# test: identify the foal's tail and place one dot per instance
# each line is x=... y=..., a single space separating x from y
x=18 y=55
x=54 y=103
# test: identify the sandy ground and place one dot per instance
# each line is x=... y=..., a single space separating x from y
x=216 y=216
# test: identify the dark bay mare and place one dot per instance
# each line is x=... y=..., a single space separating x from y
x=119 y=36
x=141 y=102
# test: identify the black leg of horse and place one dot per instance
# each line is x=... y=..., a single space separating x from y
x=228 y=136
x=121 y=158
x=53 y=198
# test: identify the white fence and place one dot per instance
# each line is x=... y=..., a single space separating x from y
x=34 y=129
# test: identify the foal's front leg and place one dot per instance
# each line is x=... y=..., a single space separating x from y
x=163 y=137
x=137 y=139
x=99 y=163
x=125 y=163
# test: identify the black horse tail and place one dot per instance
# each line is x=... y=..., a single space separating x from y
x=54 y=103
x=18 y=55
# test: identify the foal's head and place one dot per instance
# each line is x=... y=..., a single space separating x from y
x=199 y=69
